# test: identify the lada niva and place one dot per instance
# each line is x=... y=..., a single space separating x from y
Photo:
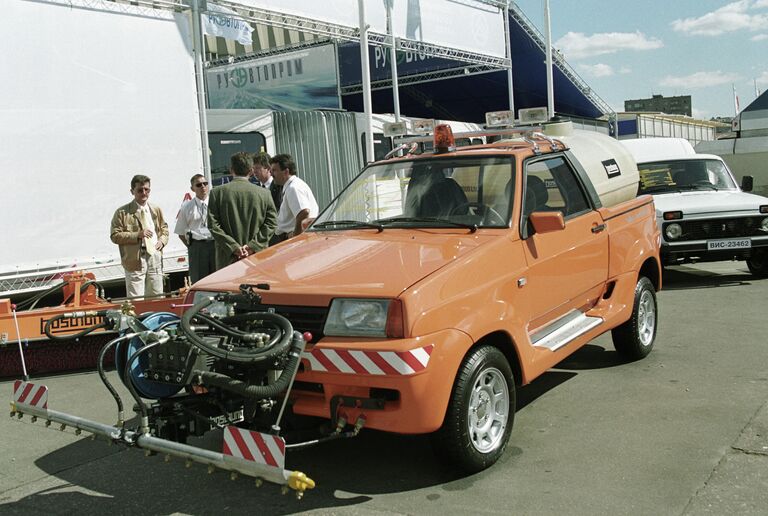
x=703 y=214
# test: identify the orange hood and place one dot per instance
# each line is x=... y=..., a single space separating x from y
x=324 y=265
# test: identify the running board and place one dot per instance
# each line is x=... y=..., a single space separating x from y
x=564 y=330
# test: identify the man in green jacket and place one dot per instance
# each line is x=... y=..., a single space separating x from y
x=241 y=216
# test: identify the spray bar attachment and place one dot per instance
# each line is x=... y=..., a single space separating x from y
x=245 y=452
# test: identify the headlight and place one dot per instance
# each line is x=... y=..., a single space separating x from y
x=357 y=318
x=764 y=225
x=673 y=231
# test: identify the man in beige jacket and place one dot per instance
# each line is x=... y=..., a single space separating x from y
x=141 y=233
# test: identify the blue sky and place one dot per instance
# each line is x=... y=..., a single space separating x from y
x=627 y=49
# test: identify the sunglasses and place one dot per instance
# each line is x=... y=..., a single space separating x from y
x=198 y=185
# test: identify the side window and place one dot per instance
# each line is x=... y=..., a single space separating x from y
x=551 y=185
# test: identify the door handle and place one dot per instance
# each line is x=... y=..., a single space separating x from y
x=598 y=228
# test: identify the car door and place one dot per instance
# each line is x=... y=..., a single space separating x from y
x=567 y=268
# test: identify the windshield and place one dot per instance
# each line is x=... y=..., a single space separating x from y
x=684 y=175
x=469 y=192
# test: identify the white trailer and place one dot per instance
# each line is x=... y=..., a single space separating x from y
x=106 y=91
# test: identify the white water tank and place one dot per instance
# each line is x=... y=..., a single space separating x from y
x=609 y=165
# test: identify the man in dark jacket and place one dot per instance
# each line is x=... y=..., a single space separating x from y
x=263 y=176
x=241 y=215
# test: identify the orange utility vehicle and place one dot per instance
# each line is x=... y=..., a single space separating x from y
x=427 y=292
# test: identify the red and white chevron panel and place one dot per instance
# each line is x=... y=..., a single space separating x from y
x=381 y=363
x=254 y=446
x=25 y=393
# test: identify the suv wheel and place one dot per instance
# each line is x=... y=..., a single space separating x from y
x=634 y=339
x=480 y=413
x=758 y=263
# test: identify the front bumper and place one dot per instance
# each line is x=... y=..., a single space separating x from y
x=400 y=386
x=696 y=250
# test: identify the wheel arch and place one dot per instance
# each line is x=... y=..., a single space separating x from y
x=504 y=343
x=651 y=270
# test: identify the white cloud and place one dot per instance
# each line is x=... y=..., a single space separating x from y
x=699 y=80
x=759 y=37
x=625 y=70
x=762 y=79
x=729 y=18
x=597 y=70
x=577 y=45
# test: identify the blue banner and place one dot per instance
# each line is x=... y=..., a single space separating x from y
x=408 y=63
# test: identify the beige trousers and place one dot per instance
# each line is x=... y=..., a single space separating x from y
x=147 y=281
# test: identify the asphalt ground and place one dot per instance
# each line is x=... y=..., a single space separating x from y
x=684 y=431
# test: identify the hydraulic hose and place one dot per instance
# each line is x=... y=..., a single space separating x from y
x=249 y=357
x=103 y=376
x=132 y=388
x=84 y=287
x=81 y=333
x=259 y=391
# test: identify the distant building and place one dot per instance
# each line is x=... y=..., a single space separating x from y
x=663 y=125
x=680 y=105
x=723 y=131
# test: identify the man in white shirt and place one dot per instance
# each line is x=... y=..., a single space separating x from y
x=298 y=207
x=192 y=228
x=140 y=232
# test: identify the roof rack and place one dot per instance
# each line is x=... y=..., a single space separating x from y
x=523 y=131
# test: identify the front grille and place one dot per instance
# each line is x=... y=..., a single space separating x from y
x=719 y=228
x=304 y=318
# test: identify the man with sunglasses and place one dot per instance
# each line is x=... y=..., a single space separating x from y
x=140 y=231
x=192 y=228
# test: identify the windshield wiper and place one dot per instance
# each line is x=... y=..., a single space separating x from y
x=350 y=224
x=698 y=186
x=471 y=227
x=660 y=189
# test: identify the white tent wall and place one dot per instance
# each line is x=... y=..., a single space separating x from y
x=469 y=25
x=105 y=91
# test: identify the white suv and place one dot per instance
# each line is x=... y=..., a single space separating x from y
x=703 y=214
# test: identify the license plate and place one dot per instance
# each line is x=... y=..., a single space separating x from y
x=729 y=243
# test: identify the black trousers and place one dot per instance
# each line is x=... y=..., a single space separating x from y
x=202 y=259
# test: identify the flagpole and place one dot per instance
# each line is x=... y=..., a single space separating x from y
x=197 y=45
x=550 y=80
x=366 y=80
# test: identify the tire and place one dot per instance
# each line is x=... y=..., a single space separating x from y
x=758 y=264
x=634 y=339
x=475 y=432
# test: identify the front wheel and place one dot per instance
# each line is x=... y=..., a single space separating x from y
x=634 y=339
x=758 y=263
x=480 y=413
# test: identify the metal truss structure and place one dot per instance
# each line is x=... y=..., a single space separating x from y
x=559 y=61
x=405 y=80
x=339 y=32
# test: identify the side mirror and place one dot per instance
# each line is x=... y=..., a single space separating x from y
x=747 y=183
x=547 y=221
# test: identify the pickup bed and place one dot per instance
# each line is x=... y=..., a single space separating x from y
x=436 y=284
